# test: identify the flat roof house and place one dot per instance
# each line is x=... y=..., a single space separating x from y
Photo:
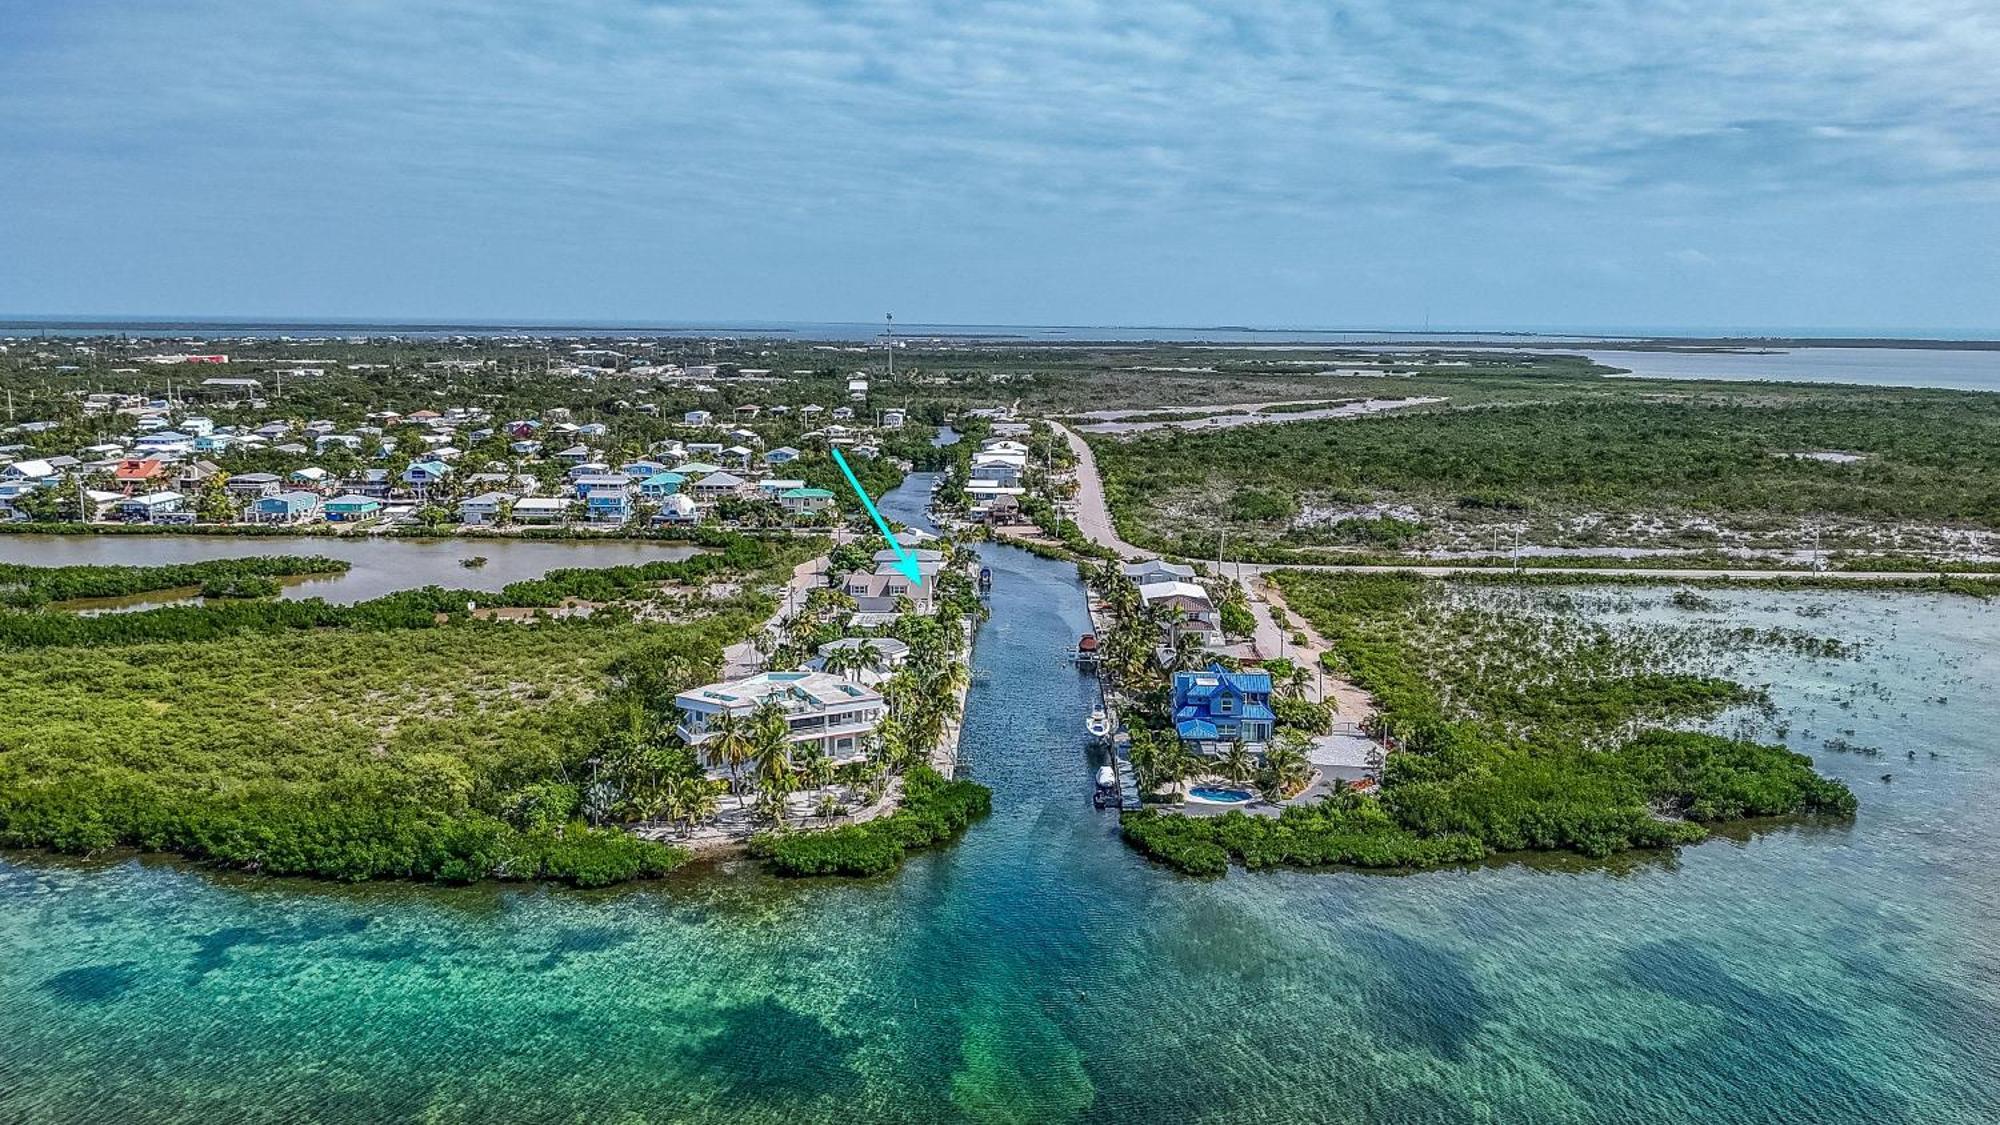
x=826 y=712
x=285 y=507
x=352 y=507
x=484 y=508
x=540 y=509
x=150 y=506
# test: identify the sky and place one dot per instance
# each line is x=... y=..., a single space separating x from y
x=1382 y=163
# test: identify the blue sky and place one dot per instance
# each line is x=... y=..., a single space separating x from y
x=1760 y=163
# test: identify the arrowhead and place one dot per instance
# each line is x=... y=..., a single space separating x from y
x=908 y=565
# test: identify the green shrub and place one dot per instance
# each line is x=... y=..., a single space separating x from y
x=934 y=810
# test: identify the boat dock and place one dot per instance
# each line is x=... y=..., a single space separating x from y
x=1117 y=743
x=1128 y=778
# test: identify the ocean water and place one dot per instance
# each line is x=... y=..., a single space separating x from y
x=1039 y=971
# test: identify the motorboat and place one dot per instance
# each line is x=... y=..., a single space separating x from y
x=985 y=579
x=1099 y=724
x=1106 y=790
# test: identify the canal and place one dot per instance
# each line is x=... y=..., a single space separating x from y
x=1038 y=971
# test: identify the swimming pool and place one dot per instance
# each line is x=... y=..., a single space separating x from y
x=1217 y=796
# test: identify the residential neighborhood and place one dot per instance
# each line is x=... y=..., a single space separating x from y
x=222 y=453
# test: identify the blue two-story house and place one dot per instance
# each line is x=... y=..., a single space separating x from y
x=421 y=476
x=1214 y=708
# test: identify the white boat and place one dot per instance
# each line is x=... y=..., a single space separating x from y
x=1099 y=725
x=1106 y=791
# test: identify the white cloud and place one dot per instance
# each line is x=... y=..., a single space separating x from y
x=984 y=117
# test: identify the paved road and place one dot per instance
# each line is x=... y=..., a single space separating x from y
x=1092 y=516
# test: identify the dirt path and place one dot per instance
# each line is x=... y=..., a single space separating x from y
x=1350 y=703
x=1094 y=518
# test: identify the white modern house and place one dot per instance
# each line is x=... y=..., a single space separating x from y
x=485 y=508
x=826 y=712
x=540 y=509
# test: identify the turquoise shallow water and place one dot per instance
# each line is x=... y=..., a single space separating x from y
x=1040 y=972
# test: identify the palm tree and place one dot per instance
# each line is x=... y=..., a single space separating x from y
x=1172 y=763
x=1237 y=764
x=731 y=745
x=901 y=693
x=867 y=655
x=1297 y=680
x=699 y=801
x=799 y=628
x=829 y=807
x=944 y=683
x=1270 y=785
x=1187 y=652
x=841 y=660
x=1286 y=763
x=887 y=746
x=771 y=753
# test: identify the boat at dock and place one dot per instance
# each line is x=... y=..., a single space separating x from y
x=985 y=579
x=1099 y=724
x=1107 y=791
x=1086 y=649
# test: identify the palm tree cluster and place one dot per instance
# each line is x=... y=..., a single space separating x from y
x=922 y=696
x=1132 y=665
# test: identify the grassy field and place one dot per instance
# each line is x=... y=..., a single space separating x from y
x=439 y=748
x=1684 y=465
x=1518 y=726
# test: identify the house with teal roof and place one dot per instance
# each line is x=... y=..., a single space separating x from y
x=351 y=508
x=806 y=501
x=661 y=485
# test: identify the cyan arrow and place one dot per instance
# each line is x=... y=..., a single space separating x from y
x=905 y=561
